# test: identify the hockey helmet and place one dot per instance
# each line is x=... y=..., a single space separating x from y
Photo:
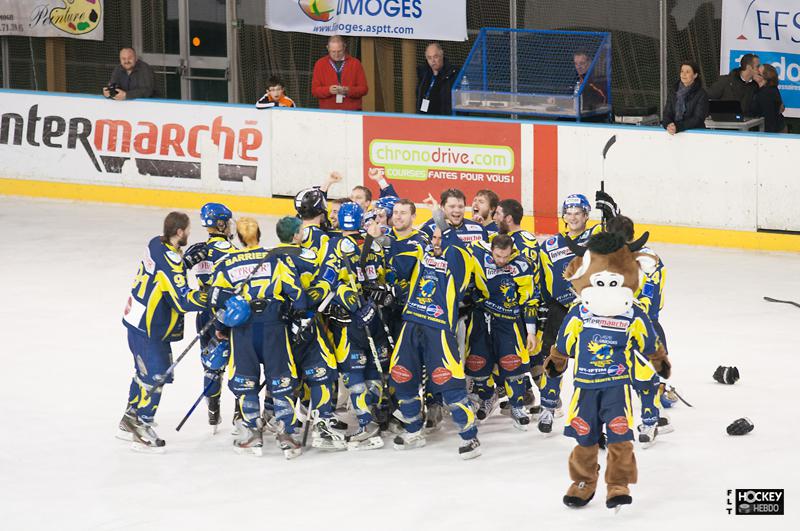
x=211 y=213
x=351 y=216
x=576 y=201
x=387 y=204
x=310 y=203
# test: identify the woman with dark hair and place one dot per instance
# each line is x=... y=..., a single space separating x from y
x=767 y=102
x=687 y=105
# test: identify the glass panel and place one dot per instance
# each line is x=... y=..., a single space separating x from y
x=207 y=89
x=207 y=28
x=160 y=26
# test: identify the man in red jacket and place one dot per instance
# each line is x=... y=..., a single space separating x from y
x=339 y=81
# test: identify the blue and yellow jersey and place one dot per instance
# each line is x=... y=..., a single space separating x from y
x=554 y=256
x=317 y=281
x=160 y=295
x=349 y=249
x=506 y=292
x=216 y=246
x=651 y=288
x=603 y=346
x=402 y=254
x=276 y=278
x=438 y=284
x=468 y=232
x=491 y=229
x=317 y=240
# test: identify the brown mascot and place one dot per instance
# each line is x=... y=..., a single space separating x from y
x=601 y=332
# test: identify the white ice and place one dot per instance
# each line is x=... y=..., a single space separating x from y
x=67 y=268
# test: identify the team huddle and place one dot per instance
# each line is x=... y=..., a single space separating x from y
x=459 y=316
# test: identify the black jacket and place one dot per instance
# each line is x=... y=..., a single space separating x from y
x=440 y=96
x=696 y=108
x=767 y=103
x=138 y=84
x=731 y=87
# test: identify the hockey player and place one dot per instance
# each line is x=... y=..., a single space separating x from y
x=452 y=202
x=504 y=282
x=557 y=293
x=264 y=338
x=484 y=206
x=437 y=283
x=603 y=332
x=650 y=296
x=216 y=219
x=154 y=319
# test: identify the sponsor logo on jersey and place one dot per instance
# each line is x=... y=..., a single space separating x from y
x=604 y=339
x=551 y=243
x=475 y=362
x=434 y=310
x=441 y=375
x=223 y=245
x=241 y=272
x=400 y=374
x=129 y=304
x=509 y=269
x=148 y=262
x=616 y=370
x=175 y=257
x=605 y=323
x=580 y=426
x=206 y=267
x=467 y=237
x=619 y=425
x=558 y=254
x=510 y=362
x=436 y=263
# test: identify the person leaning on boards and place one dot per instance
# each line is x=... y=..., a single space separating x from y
x=687 y=103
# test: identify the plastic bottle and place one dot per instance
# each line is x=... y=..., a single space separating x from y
x=464 y=91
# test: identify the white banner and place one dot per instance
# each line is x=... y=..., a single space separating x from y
x=443 y=20
x=771 y=30
x=76 y=19
x=141 y=144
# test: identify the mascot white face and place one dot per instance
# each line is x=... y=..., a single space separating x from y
x=605 y=274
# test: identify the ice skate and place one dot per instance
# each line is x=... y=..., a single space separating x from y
x=248 y=440
x=409 y=441
x=617 y=502
x=236 y=420
x=433 y=417
x=558 y=412
x=470 y=449
x=528 y=399
x=288 y=445
x=269 y=424
x=123 y=433
x=214 y=415
x=144 y=438
x=546 y=421
x=366 y=438
x=325 y=437
x=486 y=407
x=665 y=425
x=520 y=418
x=647 y=435
x=577 y=501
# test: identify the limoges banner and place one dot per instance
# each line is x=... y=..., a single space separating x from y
x=76 y=19
x=422 y=156
x=443 y=20
x=771 y=30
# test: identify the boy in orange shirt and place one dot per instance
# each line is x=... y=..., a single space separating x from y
x=275 y=95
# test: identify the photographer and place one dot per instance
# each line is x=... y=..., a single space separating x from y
x=131 y=79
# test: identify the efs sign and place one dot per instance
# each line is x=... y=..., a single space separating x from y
x=421 y=155
x=133 y=143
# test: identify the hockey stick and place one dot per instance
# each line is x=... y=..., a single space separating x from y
x=770 y=299
x=196 y=403
x=611 y=141
x=161 y=380
x=661 y=379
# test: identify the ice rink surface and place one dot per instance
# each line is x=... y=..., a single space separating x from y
x=67 y=268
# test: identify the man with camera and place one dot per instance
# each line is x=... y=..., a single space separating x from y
x=131 y=79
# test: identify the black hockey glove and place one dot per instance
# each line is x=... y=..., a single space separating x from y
x=366 y=313
x=382 y=295
x=606 y=204
x=541 y=316
x=301 y=328
x=726 y=375
x=217 y=297
x=741 y=426
x=195 y=254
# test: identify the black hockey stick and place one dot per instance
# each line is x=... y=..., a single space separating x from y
x=770 y=299
x=611 y=141
x=668 y=386
x=161 y=380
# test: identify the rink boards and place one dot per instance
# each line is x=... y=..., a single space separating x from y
x=707 y=188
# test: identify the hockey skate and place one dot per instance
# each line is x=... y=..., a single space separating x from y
x=546 y=421
x=144 y=438
x=664 y=425
x=647 y=434
x=520 y=418
x=366 y=438
x=248 y=440
x=269 y=423
x=123 y=433
x=617 y=502
x=486 y=407
x=325 y=437
x=409 y=441
x=288 y=445
x=236 y=420
x=433 y=417
x=214 y=415
x=470 y=449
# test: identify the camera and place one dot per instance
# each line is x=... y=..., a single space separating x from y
x=112 y=90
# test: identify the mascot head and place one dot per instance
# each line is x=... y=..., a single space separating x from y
x=605 y=274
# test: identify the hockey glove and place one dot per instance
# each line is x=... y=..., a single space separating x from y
x=541 y=316
x=726 y=375
x=382 y=295
x=366 y=313
x=300 y=329
x=741 y=426
x=217 y=297
x=606 y=204
x=195 y=254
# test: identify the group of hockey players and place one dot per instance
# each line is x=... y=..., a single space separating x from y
x=459 y=316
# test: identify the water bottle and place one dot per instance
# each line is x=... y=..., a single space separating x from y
x=464 y=91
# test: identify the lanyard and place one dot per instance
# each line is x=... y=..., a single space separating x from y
x=338 y=70
x=428 y=92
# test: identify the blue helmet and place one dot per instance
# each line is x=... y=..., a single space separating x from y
x=576 y=201
x=350 y=216
x=213 y=212
x=387 y=203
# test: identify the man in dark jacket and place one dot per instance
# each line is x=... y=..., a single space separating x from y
x=131 y=79
x=740 y=84
x=435 y=81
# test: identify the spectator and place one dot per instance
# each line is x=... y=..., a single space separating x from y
x=339 y=81
x=275 y=96
x=687 y=105
x=740 y=85
x=767 y=102
x=131 y=79
x=593 y=96
x=434 y=82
